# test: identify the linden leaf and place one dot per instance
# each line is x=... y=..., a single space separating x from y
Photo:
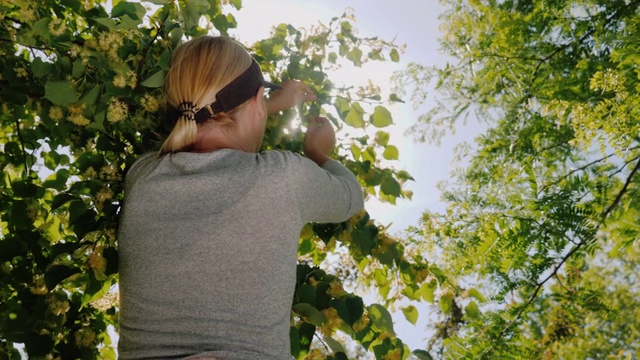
x=411 y=313
x=381 y=117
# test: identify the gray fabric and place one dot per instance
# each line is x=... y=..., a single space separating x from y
x=208 y=245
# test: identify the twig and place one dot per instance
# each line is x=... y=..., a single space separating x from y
x=24 y=151
x=622 y=192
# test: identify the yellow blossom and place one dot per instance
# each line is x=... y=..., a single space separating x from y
x=133 y=79
x=120 y=81
x=75 y=50
x=90 y=173
x=79 y=120
x=117 y=111
x=104 y=195
x=76 y=116
x=27 y=15
x=394 y=355
x=56 y=27
x=39 y=287
x=336 y=290
x=106 y=302
x=56 y=113
x=85 y=337
x=150 y=103
x=56 y=306
x=96 y=261
x=110 y=173
x=332 y=323
x=21 y=72
x=362 y=323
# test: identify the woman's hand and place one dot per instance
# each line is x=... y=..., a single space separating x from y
x=319 y=141
x=293 y=94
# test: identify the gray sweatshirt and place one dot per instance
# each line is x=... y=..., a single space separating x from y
x=208 y=246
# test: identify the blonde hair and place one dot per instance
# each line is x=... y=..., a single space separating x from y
x=199 y=69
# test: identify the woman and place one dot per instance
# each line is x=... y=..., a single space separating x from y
x=209 y=231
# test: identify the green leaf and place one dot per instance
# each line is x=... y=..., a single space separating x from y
x=310 y=313
x=427 y=291
x=381 y=318
x=57 y=273
x=334 y=345
x=355 y=55
x=446 y=302
x=410 y=313
x=192 y=13
x=106 y=22
x=382 y=138
x=472 y=310
x=236 y=4
x=422 y=354
x=38 y=345
x=476 y=294
x=390 y=186
x=381 y=117
x=127 y=22
x=355 y=116
x=355 y=151
x=40 y=68
x=133 y=10
x=91 y=97
x=78 y=69
x=394 y=98
x=60 y=92
x=390 y=153
x=394 y=55
x=154 y=81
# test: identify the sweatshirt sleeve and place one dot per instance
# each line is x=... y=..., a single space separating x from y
x=326 y=194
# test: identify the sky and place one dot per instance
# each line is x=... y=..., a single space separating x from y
x=411 y=22
x=414 y=23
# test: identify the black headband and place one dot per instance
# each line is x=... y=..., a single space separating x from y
x=241 y=89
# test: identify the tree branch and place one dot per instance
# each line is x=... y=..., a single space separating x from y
x=582 y=168
x=622 y=192
x=24 y=151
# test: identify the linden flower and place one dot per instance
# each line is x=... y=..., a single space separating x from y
x=117 y=111
x=75 y=115
x=103 y=196
x=133 y=79
x=75 y=50
x=332 y=323
x=336 y=290
x=96 y=261
x=58 y=307
x=90 y=173
x=109 y=172
x=106 y=302
x=27 y=15
x=21 y=72
x=394 y=355
x=150 y=103
x=85 y=337
x=79 y=120
x=56 y=113
x=56 y=27
x=361 y=324
x=39 y=287
x=120 y=81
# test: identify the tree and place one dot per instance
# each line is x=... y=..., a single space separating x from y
x=545 y=214
x=80 y=95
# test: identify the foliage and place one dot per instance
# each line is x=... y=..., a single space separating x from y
x=545 y=215
x=80 y=95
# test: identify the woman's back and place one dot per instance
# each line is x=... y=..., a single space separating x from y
x=208 y=245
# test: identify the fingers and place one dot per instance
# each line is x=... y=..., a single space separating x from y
x=318 y=123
